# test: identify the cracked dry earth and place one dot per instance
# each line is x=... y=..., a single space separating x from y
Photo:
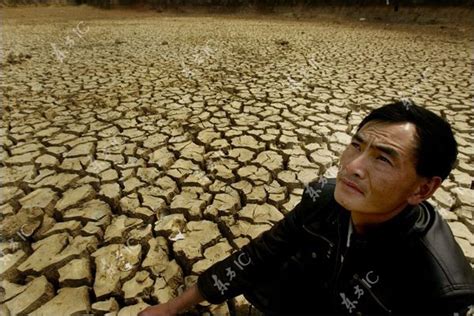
x=159 y=145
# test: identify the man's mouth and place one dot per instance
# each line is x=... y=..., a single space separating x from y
x=352 y=185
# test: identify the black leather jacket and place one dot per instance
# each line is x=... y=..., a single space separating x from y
x=409 y=265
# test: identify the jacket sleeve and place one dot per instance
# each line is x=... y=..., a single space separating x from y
x=455 y=304
x=229 y=277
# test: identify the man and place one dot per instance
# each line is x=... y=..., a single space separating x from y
x=365 y=243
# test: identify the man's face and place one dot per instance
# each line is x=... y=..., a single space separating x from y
x=380 y=163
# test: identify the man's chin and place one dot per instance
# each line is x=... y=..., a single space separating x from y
x=347 y=200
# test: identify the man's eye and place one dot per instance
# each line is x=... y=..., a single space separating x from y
x=355 y=145
x=384 y=159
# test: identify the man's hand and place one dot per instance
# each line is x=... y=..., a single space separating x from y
x=158 y=310
x=179 y=304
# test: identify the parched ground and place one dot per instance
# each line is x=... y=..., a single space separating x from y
x=138 y=148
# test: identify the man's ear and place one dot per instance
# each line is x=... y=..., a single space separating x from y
x=426 y=188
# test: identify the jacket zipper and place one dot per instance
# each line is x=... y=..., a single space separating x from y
x=330 y=243
x=339 y=263
x=367 y=288
x=318 y=235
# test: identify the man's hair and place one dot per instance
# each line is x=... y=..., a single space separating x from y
x=436 y=148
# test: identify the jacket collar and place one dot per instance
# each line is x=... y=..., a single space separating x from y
x=412 y=220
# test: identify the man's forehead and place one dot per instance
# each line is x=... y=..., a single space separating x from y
x=399 y=136
x=405 y=130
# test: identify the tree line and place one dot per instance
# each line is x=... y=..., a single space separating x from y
x=244 y=3
x=257 y=3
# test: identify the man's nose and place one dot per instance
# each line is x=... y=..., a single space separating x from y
x=357 y=166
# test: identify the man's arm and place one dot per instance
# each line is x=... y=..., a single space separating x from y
x=229 y=277
x=455 y=304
